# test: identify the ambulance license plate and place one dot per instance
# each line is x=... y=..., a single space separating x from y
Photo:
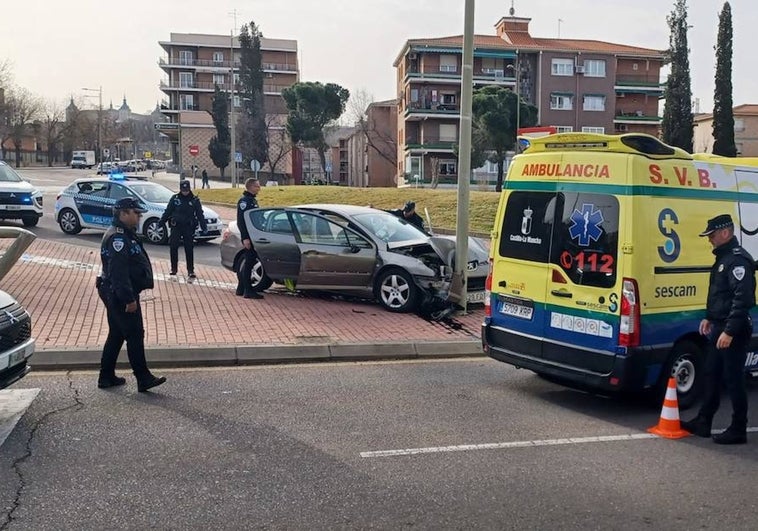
x=520 y=308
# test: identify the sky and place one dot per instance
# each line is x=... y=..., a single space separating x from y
x=57 y=48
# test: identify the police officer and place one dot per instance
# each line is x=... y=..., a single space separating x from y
x=728 y=327
x=408 y=213
x=126 y=272
x=183 y=214
x=247 y=201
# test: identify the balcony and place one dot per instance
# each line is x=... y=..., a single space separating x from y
x=269 y=88
x=279 y=67
x=178 y=62
x=638 y=84
x=430 y=143
x=422 y=110
x=624 y=116
x=449 y=74
x=193 y=85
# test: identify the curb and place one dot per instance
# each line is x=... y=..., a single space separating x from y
x=231 y=355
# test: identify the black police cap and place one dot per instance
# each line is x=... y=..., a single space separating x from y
x=723 y=221
x=128 y=203
x=185 y=185
x=409 y=205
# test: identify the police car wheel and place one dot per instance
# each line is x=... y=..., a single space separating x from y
x=30 y=221
x=396 y=291
x=685 y=365
x=69 y=221
x=155 y=232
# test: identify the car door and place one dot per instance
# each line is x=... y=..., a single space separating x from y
x=273 y=238
x=93 y=202
x=332 y=257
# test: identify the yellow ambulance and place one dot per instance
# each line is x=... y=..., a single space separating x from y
x=598 y=276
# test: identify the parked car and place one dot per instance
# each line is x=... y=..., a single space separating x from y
x=354 y=250
x=18 y=198
x=88 y=204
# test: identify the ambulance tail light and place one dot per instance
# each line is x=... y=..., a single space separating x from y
x=629 y=328
x=488 y=293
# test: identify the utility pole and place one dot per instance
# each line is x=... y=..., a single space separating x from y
x=464 y=159
x=231 y=104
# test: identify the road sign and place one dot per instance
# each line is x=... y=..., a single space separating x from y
x=237 y=156
x=194 y=150
x=166 y=125
x=106 y=152
x=255 y=165
x=148 y=154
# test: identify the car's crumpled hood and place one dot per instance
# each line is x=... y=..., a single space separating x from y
x=445 y=247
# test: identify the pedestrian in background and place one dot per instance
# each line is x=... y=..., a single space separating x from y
x=729 y=328
x=247 y=202
x=408 y=213
x=126 y=272
x=205 y=179
x=183 y=214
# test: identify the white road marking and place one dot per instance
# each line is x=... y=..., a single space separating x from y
x=13 y=404
x=516 y=444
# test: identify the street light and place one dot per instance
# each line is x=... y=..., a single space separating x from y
x=99 y=120
x=517 y=73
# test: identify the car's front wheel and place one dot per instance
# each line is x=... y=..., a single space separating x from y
x=155 y=231
x=69 y=221
x=30 y=221
x=396 y=291
x=259 y=280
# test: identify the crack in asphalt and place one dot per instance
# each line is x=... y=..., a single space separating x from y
x=77 y=405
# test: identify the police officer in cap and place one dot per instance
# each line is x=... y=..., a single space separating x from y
x=729 y=328
x=408 y=213
x=126 y=272
x=247 y=202
x=183 y=214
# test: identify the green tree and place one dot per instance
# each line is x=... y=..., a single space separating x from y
x=723 y=114
x=252 y=131
x=220 y=145
x=677 y=114
x=311 y=107
x=493 y=110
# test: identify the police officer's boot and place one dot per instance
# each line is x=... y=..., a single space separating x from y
x=700 y=426
x=253 y=295
x=148 y=382
x=104 y=382
x=240 y=291
x=732 y=435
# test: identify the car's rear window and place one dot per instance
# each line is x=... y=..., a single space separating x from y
x=576 y=231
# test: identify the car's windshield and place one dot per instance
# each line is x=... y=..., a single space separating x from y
x=154 y=193
x=8 y=175
x=388 y=227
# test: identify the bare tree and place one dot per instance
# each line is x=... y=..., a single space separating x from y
x=379 y=139
x=53 y=128
x=434 y=163
x=22 y=109
x=279 y=144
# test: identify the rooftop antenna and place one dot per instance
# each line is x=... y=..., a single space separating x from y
x=512 y=10
x=559 y=27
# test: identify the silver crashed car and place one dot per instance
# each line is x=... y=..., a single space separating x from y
x=356 y=251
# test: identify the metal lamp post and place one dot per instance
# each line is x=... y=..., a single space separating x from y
x=99 y=121
x=517 y=72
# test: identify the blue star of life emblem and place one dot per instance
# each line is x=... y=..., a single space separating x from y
x=586 y=225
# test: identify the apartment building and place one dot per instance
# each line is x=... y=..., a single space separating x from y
x=372 y=148
x=576 y=85
x=193 y=64
x=745 y=131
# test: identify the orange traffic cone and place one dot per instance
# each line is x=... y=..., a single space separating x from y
x=668 y=426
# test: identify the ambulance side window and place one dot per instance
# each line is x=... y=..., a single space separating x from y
x=585 y=239
x=527 y=225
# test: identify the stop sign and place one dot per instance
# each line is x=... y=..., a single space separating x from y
x=194 y=150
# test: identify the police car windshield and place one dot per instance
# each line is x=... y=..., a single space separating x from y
x=7 y=174
x=151 y=192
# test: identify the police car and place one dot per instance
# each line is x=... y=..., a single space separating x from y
x=18 y=198
x=88 y=204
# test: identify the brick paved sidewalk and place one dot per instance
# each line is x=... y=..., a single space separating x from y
x=55 y=282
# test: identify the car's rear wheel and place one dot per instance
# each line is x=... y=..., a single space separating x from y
x=155 y=231
x=259 y=280
x=396 y=291
x=69 y=221
x=30 y=221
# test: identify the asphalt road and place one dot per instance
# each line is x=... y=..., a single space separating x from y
x=52 y=180
x=295 y=447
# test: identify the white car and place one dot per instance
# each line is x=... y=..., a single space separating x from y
x=18 y=198
x=88 y=204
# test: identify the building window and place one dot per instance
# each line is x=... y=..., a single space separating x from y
x=447 y=167
x=185 y=80
x=739 y=124
x=564 y=128
x=185 y=57
x=594 y=68
x=236 y=100
x=448 y=63
x=563 y=67
x=447 y=99
x=594 y=103
x=561 y=102
x=219 y=79
x=598 y=130
x=448 y=132
x=186 y=102
x=218 y=57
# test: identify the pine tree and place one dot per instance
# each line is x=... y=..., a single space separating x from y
x=220 y=145
x=677 y=114
x=723 y=115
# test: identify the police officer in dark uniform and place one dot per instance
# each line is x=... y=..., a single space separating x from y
x=729 y=328
x=247 y=202
x=408 y=213
x=183 y=214
x=126 y=272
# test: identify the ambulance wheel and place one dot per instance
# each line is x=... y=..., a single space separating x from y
x=686 y=366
